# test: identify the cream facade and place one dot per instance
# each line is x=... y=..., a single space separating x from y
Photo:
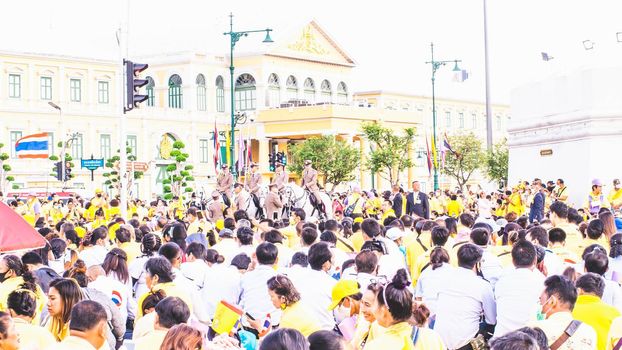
x=297 y=88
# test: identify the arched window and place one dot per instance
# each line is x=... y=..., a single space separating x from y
x=150 y=93
x=327 y=92
x=342 y=93
x=174 y=92
x=273 y=94
x=245 y=93
x=292 y=88
x=310 y=90
x=201 y=93
x=220 y=94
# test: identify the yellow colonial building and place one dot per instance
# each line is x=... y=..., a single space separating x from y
x=298 y=87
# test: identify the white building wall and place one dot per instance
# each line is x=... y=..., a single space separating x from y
x=579 y=118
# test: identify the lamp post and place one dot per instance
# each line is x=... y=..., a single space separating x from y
x=486 y=68
x=435 y=66
x=62 y=134
x=235 y=36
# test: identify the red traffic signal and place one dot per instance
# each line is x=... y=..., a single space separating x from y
x=133 y=85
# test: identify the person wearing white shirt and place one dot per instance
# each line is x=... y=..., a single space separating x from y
x=517 y=291
x=315 y=285
x=254 y=297
x=484 y=206
x=195 y=268
x=490 y=263
x=223 y=283
x=431 y=280
x=244 y=237
x=227 y=247
x=364 y=270
x=391 y=258
x=150 y=244
x=118 y=292
x=285 y=253
x=558 y=299
x=95 y=253
x=598 y=263
x=463 y=299
x=173 y=253
x=553 y=263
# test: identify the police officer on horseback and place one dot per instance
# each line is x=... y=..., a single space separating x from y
x=224 y=184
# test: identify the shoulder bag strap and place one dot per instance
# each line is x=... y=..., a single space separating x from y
x=425 y=249
x=570 y=330
x=346 y=244
x=618 y=345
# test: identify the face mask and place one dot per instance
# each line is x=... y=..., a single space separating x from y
x=542 y=312
x=341 y=313
x=3 y=276
x=99 y=195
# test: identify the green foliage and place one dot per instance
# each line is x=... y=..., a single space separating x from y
x=168 y=196
x=179 y=173
x=389 y=152
x=332 y=158
x=469 y=156
x=15 y=187
x=497 y=163
x=5 y=179
x=54 y=158
x=114 y=173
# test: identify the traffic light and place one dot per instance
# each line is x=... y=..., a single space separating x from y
x=67 y=171
x=272 y=161
x=59 y=171
x=133 y=84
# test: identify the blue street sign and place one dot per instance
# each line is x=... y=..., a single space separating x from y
x=92 y=164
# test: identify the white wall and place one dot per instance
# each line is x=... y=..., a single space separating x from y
x=579 y=118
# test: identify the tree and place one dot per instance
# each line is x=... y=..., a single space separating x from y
x=179 y=173
x=113 y=177
x=389 y=154
x=5 y=168
x=332 y=158
x=497 y=163
x=467 y=157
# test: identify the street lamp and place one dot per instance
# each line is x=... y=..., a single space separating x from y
x=60 y=116
x=435 y=66
x=235 y=36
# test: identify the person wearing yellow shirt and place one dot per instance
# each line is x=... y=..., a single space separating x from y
x=557 y=243
x=394 y=311
x=615 y=196
x=560 y=193
x=356 y=203
x=290 y=232
x=159 y=276
x=22 y=305
x=454 y=206
x=595 y=235
x=559 y=219
x=114 y=209
x=14 y=275
x=591 y=310
x=615 y=334
x=372 y=205
x=420 y=244
x=170 y=311
x=436 y=204
x=596 y=199
x=357 y=235
x=124 y=237
x=87 y=328
x=387 y=210
x=100 y=219
x=515 y=203
x=295 y=314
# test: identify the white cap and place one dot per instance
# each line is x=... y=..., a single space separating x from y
x=394 y=233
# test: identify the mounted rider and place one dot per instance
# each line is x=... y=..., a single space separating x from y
x=241 y=197
x=281 y=177
x=224 y=184
x=309 y=183
x=253 y=185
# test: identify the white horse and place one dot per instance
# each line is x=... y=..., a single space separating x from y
x=297 y=197
x=250 y=207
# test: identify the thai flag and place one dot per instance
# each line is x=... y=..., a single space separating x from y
x=33 y=146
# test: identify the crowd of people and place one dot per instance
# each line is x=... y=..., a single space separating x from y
x=401 y=269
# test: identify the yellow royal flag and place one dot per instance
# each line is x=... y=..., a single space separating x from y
x=228 y=146
x=434 y=157
x=226 y=317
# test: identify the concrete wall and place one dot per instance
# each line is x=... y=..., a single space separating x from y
x=579 y=118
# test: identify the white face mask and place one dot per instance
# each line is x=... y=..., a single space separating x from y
x=341 y=313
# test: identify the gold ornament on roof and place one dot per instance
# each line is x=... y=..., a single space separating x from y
x=308 y=43
x=165 y=147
